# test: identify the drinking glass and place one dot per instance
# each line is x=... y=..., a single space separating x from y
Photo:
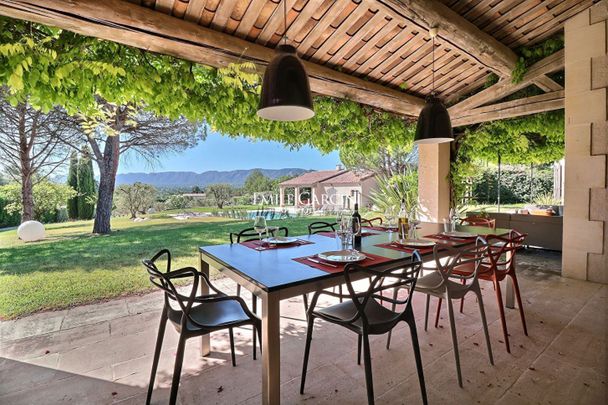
x=345 y=232
x=391 y=218
x=413 y=222
x=260 y=226
x=448 y=225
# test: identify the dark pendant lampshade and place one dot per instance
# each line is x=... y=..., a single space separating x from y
x=285 y=89
x=434 y=124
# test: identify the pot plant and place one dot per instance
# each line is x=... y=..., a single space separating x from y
x=547 y=201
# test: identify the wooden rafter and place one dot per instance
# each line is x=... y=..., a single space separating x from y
x=510 y=109
x=136 y=26
x=505 y=87
x=457 y=30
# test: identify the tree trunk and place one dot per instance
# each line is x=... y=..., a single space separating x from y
x=27 y=188
x=108 y=167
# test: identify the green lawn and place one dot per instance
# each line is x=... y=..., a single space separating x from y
x=73 y=267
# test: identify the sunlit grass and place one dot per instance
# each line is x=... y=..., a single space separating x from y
x=72 y=267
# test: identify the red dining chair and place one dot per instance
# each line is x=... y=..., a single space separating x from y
x=500 y=263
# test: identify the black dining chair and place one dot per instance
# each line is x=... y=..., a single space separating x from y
x=250 y=234
x=321 y=226
x=363 y=313
x=194 y=315
x=370 y=222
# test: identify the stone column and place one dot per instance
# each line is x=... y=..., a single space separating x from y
x=296 y=195
x=433 y=184
x=585 y=242
x=281 y=196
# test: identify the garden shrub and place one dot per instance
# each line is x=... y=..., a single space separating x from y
x=515 y=185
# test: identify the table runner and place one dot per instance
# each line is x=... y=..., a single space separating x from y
x=261 y=246
x=332 y=234
x=370 y=260
x=407 y=249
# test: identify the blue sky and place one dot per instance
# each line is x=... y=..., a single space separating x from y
x=222 y=153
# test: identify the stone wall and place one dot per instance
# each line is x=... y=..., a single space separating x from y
x=585 y=249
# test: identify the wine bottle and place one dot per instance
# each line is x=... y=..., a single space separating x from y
x=403 y=222
x=357 y=227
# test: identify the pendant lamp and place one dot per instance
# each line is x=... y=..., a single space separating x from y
x=285 y=89
x=434 y=125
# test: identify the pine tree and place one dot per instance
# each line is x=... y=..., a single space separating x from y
x=86 y=186
x=73 y=182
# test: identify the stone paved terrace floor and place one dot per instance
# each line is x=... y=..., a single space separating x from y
x=102 y=354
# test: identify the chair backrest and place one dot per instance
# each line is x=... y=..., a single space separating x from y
x=502 y=250
x=370 y=222
x=479 y=221
x=321 y=226
x=249 y=234
x=470 y=257
x=163 y=282
x=400 y=275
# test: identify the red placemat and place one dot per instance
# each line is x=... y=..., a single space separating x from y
x=401 y=248
x=333 y=234
x=261 y=246
x=448 y=240
x=369 y=261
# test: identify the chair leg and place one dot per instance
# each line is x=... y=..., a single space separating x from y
x=426 y=312
x=393 y=307
x=311 y=323
x=238 y=290
x=340 y=292
x=177 y=370
x=305 y=299
x=412 y=324
x=501 y=311
x=454 y=340
x=462 y=299
x=157 y=350
x=254 y=309
x=232 y=354
x=367 y=360
x=438 y=312
x=519 y=303
x=484 y=323
x=359 y=343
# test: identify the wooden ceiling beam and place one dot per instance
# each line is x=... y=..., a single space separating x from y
x=458 y=31
x=505 y=87
x=546 y=84
x=511 y=109
x=140 y=27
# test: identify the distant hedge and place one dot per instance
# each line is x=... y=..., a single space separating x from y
x=515 y=185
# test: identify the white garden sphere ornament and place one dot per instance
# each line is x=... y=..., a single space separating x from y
x=30 y=231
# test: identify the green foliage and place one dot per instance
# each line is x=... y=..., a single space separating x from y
x=48 y=198
x=178 y=202
x=7 y=218
x=72 y=204
x=86 y=186
x=56 y=67
x=257 y=182
x=533 y=54
x=546 y=199
x=515 y=184
x=391 y=190
x=537 y=139
x=135 y=198
x=221 y=193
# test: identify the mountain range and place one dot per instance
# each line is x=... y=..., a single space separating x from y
x=190 y=179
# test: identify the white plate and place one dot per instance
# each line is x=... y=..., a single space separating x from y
x=417 y=242
x=457 y=234
x=342 y=256
x=280 y=240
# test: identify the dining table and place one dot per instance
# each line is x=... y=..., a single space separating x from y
x=281 y=273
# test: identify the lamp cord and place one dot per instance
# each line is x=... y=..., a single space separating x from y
x=284 y=22
x=433 y=68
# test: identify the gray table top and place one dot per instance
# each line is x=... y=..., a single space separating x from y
x=274 y=269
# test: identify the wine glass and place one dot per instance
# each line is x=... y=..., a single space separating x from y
x=260 y=226
x=390 y=215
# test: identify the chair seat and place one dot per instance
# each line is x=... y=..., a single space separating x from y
x=212 y=315
x=432 y=283
x=380 y=318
